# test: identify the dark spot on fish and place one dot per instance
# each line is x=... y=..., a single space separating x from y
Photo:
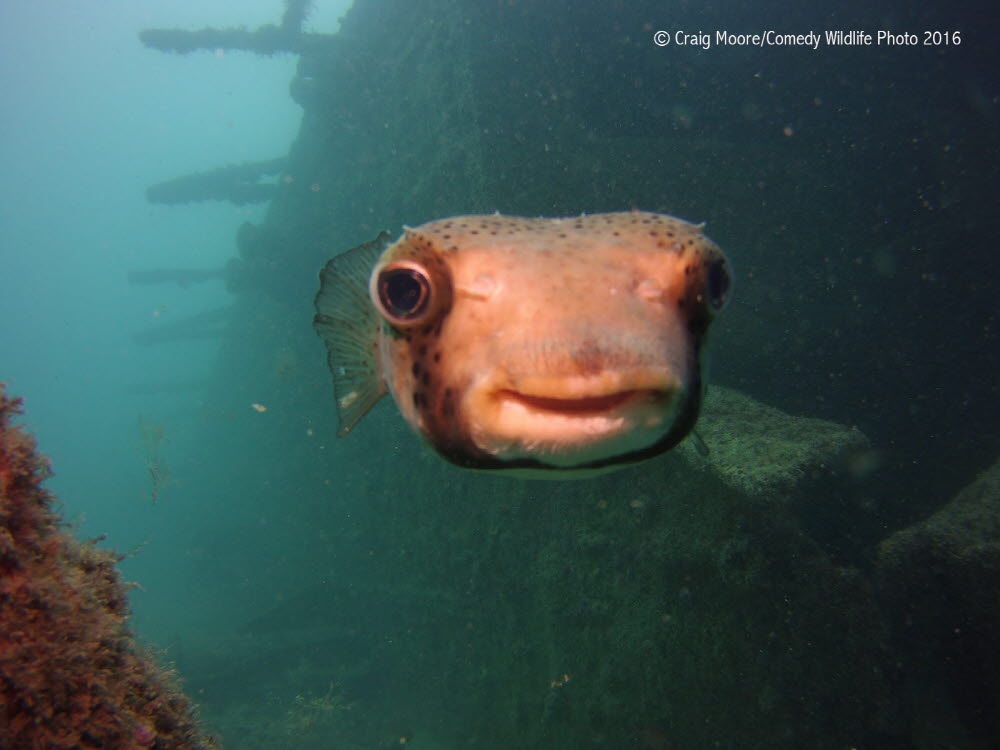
x=416 y=369
x=437 y=356
x=425 y=379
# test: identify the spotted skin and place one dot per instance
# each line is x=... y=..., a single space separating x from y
x=551 y=344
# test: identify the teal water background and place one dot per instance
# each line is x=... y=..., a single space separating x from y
x=864 y=255
x=91 y=118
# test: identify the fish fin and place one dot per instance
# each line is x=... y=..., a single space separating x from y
x=348 y=323
x=699 y=444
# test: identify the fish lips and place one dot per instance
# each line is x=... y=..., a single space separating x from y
x=569 y=420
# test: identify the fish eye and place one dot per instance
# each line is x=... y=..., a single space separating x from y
x=717 y=280
x=404 y=293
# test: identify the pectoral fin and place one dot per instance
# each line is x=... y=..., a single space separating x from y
x=348 y=323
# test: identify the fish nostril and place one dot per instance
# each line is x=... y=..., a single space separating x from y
x=482 y=287
x=650 y=289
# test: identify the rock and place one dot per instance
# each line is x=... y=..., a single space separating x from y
x=71 y=675
x=941 y=580
x=682 y=599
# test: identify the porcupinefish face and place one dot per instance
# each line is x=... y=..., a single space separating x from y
x=545 y=345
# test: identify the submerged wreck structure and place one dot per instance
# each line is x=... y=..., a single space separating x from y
x=71 y=674
x=736 y=601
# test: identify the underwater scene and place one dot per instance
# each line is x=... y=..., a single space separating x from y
x=499 y=375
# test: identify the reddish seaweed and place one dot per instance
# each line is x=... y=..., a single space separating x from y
x=71 y=672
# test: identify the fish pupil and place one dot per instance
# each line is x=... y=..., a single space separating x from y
x=718 y=283
x=403 y=292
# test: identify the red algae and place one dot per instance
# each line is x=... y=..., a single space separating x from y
x=71 y=673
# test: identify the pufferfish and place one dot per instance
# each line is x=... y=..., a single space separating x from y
x=551 y=347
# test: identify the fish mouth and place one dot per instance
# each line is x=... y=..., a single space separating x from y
x=571 y=420
x=586 y=405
